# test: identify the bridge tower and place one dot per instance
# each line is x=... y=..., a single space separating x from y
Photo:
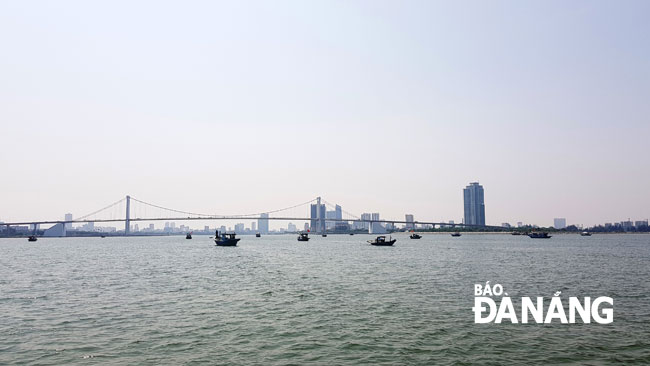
x=127 y=222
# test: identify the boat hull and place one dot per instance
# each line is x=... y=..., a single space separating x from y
x=388 y=243
x=226 y=242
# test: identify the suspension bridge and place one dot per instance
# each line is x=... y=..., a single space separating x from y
x=130 y=209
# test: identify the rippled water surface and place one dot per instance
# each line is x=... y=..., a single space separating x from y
x=330 y=301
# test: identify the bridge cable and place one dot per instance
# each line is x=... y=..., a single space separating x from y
x=214 y=215
x=100 y=210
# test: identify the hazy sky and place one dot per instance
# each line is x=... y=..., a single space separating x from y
x=390 y=107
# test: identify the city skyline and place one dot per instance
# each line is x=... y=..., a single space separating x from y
x=546 y=107
x=474 y=208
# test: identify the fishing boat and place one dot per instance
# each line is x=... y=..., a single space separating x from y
x=381 y=241
x=516 y=233
x=32 y=238
x=324 y=235
x=415 y=236
x=102 y=236
x=258 y=235
x=225 y=240
x=539 y=236
x=188 y=236
x=351 y=233
x=455 y=234
x=303 y=237
x=585 y=233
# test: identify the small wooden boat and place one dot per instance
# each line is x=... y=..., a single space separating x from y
x=381 y=241
x=324 y=235
x=303 y=237
x=415 y=236
x=32 y=238
x=539 y=236
x=102 y=236
x=188 y=236
x=455 y=234
x=351 y=233
x=225 y=240
x=258 y=235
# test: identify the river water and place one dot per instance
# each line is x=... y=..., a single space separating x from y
x=330 y=301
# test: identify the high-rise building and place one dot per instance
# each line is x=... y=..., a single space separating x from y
x=291 y=228
x=473 y=198
x=68 y=217
x=376 y=227
x=263 y=223
x=365 y=225
x=339 y=212
x=314 y=216
x=409 y=222
x=239 y=228
x=253 y=227
x=559 y=223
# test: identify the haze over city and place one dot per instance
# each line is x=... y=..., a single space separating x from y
x=390 y=107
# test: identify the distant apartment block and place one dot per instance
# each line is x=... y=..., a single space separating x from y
x=559 y=223
x=409 y=222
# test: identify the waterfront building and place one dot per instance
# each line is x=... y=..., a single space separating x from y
x=365 y=225
x=329 y=225
x=263 y=223
x=376 y=227
x=315 y=211
x=473 y=197
x=559 y=223
x=409 y=222
x=627 y=225
x=68 y=217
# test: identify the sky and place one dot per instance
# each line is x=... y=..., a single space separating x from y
x=380 y=106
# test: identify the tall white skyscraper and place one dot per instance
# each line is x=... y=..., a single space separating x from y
x=559 y=223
